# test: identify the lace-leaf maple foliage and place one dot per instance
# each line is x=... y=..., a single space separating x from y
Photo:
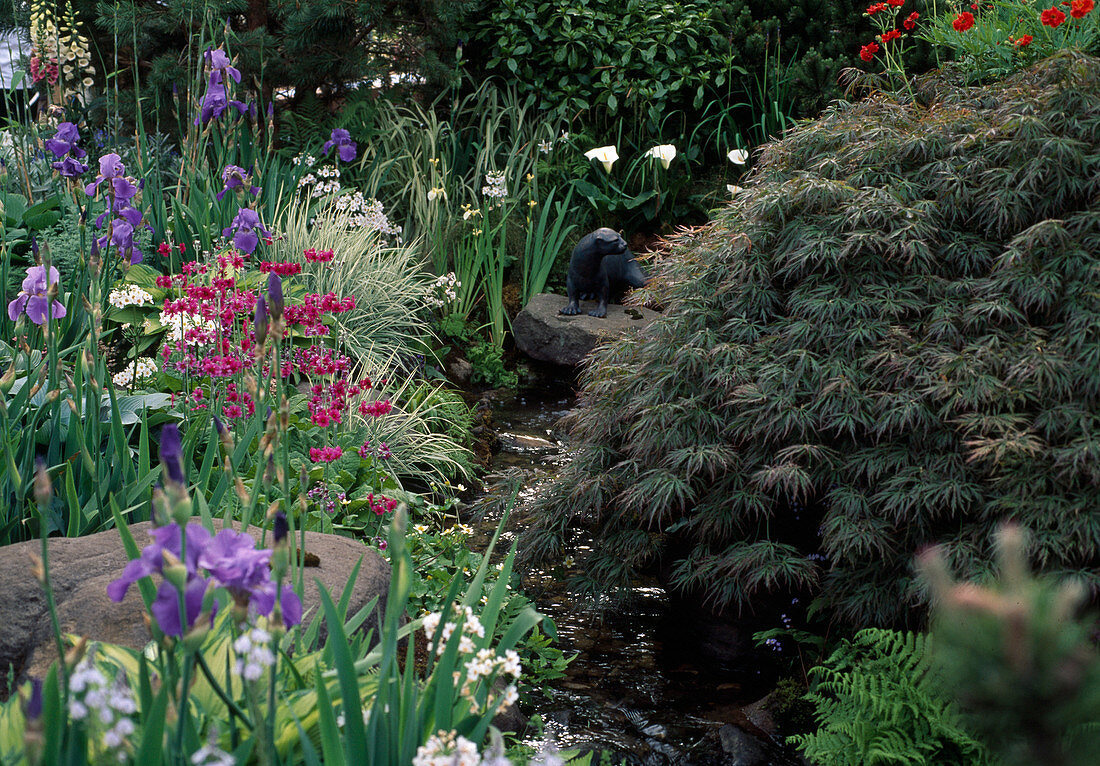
x=890 y=339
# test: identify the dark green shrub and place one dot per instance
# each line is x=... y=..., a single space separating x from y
x=674 y=70
x=880 y=701
x=892 y=339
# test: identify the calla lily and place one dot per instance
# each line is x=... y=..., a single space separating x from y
x=738 y=156
x=605 y=154
x=665 y=153
x=733 y=189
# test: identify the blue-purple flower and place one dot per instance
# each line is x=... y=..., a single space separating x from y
x=171 y=453
x=216 y=100
x=70 y=167
x=345 y=147
x=247 y=229
x=228 y=559
x=110 y=166
x=34 y=298
x=63 y=142
x=218 y=61
x=275 y=301
x=62 y=145
x=237 y=178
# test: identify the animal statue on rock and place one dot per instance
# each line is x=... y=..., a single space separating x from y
x=601 y=263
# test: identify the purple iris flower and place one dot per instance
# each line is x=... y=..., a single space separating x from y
x=275 y=302
x=218 y=61
x=110 y=166
x=70 y=167
x=232 y=559
x=345 y=147
x=237 y=178
x=33 y=298
x=246 y=228
x=151 y=560
x=259 y=320
x=166 y=607
x=229 y=559
x=171 y=453
x=216 y=100
x=64 y=141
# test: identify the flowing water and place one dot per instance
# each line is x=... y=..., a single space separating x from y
x=645 y=684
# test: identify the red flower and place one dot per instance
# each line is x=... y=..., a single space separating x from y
x=893 y=34
x=896 y=3
x=1052 y=17
x=1024 y=41
x=868 y=51
x=876 y=8
x=1079 y=8
x=963 y=21
x=911 y=21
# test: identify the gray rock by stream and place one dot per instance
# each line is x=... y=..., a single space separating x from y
x=542 y=333
x=81 y=568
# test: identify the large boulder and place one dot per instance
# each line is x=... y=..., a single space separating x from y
x=542 y=333
x=81 y=568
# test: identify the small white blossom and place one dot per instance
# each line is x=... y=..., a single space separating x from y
x=664 y=152
x=495 y=185
x=738 y=156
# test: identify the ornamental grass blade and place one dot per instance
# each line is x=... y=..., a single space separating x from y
x=355 y=737
x=332 y=751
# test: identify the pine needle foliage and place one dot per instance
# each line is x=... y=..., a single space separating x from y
x=891 y=339
x=879 y=702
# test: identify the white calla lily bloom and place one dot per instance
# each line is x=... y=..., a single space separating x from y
x=738 y=156
x=665 y=153
x=605 y=154
x=733 y=189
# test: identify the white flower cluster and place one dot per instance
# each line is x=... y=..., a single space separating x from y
x=178 y=324
x=481 y=665
x=471 y=626
x=308 y=159
x=138 y=369
x=103 y=704
x=254 y=655
x=67 y=46
x=212 y=755
x=486 y=664
x=129 y=295
x=443 y=291
x=495 y=186
x=447 y=748
x=325 y=182
x=368 y=214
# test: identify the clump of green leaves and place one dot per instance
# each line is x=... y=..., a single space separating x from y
x=879 y=701
x=488 y=362
x=888 y=340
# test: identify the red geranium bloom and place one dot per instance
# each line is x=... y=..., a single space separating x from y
x=876 y=8
x=868 y=51
x=1079 y=8
x=893 y=34
x=896 y=3
x=1052 y=17
x=963 y=21
x=1024 y=41
x=911 y=21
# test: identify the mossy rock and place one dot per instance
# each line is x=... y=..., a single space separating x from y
x=891 y=339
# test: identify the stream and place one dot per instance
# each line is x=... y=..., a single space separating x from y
x=643 y=686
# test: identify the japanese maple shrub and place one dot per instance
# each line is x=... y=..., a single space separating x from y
x=890 y=339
